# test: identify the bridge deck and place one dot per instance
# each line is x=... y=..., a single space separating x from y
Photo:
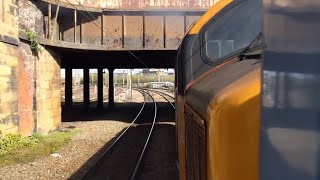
x=95 y=28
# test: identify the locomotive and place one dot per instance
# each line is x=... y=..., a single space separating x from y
x=226 y=96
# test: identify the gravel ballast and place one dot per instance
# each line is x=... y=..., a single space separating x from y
x=98 y=131
x=74 y=156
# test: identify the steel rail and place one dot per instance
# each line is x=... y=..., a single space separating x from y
x=153 y=89
x=163 y=93
x=99 y=159
x=149 y=136
x=164 y=96
x=153 y=123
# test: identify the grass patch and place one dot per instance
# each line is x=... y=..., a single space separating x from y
x=17 y=149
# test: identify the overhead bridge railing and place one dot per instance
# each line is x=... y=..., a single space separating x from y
x=68 y=24
x=101 y=5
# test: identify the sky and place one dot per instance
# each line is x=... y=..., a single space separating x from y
x=80 y=71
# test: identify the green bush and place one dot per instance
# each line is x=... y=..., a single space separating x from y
x=18 y=149
x=32 y=37
x=15 y=141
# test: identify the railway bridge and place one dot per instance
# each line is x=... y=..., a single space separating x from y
x=39 y=38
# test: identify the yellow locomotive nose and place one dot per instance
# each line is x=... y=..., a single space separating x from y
x=224 y=132
x=218 y=94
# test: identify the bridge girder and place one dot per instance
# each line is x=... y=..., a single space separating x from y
x=132 y=38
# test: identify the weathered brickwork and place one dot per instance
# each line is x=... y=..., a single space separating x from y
x=29 y=85
x=8 y=89
x=26 y=89
x=39 y=90
x=30 y=17
x=48 y=91
x=9 y=18
x=40 y=78
x=8 y=69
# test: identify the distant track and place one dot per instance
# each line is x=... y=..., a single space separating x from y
x=164 y=95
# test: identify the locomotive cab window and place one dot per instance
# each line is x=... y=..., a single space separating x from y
x=230 y=31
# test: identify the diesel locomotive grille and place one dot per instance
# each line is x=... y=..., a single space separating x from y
x=195 y=147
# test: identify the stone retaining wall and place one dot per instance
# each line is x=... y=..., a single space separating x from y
x=30 y=95
x=8 y=68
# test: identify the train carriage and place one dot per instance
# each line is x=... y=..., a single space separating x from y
x=218 y=90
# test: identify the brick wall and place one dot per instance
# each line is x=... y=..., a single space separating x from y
x=9 y=18
x=8 y=89
x=39 y=88
x=48 y=91
x=26 y=90
x=8 y=67
x=30 y=93
x=30 y=17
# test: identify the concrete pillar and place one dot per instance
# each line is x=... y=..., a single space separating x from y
x=111 y=87
x=100 y=87
x=86 y=87
x=68 y=87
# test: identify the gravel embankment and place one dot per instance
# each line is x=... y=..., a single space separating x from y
x=74 y=156
x=82 y=151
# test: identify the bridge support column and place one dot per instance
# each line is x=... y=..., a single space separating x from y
x=86 y=87
x=111 y=87
x=100 y=88
x=68 y=88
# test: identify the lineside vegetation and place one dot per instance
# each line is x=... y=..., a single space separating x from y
x=15 y=148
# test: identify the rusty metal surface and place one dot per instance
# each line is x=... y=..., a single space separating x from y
x=174 y=31
x=99 y=5
x=154 y=32
x=116 y=30
x=133 y=33
x=78 y=46
x=138 y=32
x=67 y=29
x=91 y=30
x=112 y=37
x=149 y=4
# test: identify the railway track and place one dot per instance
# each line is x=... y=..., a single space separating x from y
x=123 y=157
x=164 y=95
x=160 y=160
